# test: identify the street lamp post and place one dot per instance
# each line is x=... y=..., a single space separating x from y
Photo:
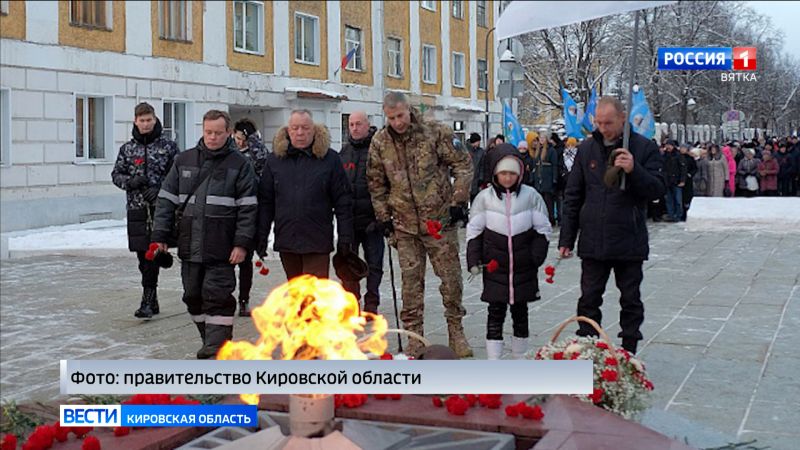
x=486 y=93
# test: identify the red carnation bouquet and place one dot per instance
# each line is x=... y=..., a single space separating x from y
x=264 y=270
x=434 y=227
x=550 y=271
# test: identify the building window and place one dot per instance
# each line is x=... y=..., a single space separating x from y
x=175 y=123
x=429 y=4
x=175 y=20
x=92 y=127
x=306 y=39
x=4 y=7
x=248 y=26
x=482 y=13
x=92 y=14
x=352 y=39
x=458 y=9
x=429 y=64
x=458 y=69
x=5 y=126
x=394 y=47
x=483 y=75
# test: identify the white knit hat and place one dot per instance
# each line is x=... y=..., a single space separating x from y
x=507 y=164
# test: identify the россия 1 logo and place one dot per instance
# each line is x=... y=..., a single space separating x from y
x=740 y=62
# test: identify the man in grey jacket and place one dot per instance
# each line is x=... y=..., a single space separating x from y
x=217 y=187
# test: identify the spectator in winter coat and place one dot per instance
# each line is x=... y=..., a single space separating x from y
x=248 y=140
x=768 y=171
x=527 y=163
x=611 y=219
x=302 y=186
x=747 y=172
x=477 y=155
x=729 y=156
x=142 y=164
x=545 y=173
x=367 y=230
x=691 y=172
x=675 y=175
x=215 y=187
x=718 y=172
x=700 y=179
x=508 y=225
x=416 y=176
x=787 y=172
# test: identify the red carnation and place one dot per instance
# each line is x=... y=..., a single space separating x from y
x=648 y=385
x=264 y=271
x=395 y=396
x=81 y=431
x=492 y=266
x=537 y=414
x=153 y=246
x=549 y=280
x=597 y=395
x=381 y=396
x=387 y=356
x=90 y=443
x=42 y=437
x=258 y=263
x=471 y=399
x=434 y=227
x=609 y=375
x=558 y=355
x=437 y=401
x=60 y=433
x=549 y=270
x=512 y=411
x=150 y=255
x=601 y=344
x=9 y=442
x=456 y=405
x=491 y=401
x=611 y=361
x=122 y=431
x=138 y=161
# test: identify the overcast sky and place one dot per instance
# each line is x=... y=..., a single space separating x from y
x=785 y=16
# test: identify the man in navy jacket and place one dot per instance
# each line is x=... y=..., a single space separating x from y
x=607 y=215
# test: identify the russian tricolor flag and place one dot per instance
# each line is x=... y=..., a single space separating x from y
x=346 y=59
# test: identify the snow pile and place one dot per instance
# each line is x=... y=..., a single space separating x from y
x=778 y=214
x=99 y=234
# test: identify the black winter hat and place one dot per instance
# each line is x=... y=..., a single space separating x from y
x=349 y=267
x=473 y=138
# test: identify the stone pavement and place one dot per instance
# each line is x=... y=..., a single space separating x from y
x=722 y=323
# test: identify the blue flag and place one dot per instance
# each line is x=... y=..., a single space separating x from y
x=641 y=118
x=587 y=124
x=571 y=124
x=511 y=128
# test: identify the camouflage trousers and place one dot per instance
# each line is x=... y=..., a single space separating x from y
x=413 y=251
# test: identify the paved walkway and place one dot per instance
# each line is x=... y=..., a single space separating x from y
x=721 y=331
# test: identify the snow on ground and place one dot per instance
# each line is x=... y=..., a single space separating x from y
x=778 y=214
x=99 y=234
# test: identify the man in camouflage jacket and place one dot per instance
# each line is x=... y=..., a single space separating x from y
x=410 y=166
x=142 y=164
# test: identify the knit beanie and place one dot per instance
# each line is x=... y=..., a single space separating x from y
x=507 y=164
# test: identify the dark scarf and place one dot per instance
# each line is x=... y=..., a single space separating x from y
x=148 y=138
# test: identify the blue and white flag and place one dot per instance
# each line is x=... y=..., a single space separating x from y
x=641 y=118
x=511 y=128
x=587 y=124
x=571 y=123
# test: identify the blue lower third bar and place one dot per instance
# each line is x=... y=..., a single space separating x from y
x=189 y=415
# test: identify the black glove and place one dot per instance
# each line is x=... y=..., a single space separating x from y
x=151 y=194
x=136 y=182
x=388 y=228
x=374 y=227
x=457 y=214
x=343 y=248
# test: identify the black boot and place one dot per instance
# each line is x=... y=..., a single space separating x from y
x=244 y=307
x=145 y=310
x=216 y=335
x=154 y=302
x=201 y=327
x=630 y=345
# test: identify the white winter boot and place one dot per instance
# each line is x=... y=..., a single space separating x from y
x=519 y=346
x=494 y=349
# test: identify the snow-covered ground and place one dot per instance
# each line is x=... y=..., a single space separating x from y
x=99 y=234
x=778 y=214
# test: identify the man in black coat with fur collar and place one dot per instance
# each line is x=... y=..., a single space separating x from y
x=605 y=206
x=302 y=186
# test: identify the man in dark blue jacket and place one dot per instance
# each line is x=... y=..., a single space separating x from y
x=609 y=213
x=302 y=186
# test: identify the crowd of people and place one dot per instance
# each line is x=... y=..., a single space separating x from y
x=411 y=184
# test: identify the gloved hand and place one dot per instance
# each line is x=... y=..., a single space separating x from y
x=262 y=253
x=343 y=248
x=374 y=227
x=457 y=214
x=475 y=270
x=136 y=182
x=388 y=228
x=151 y=194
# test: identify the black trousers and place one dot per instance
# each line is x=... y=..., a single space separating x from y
x=149 y=271
x=295 y=264
x=628 y=276
x=246 y=277
x=208 y=291
x=549 y=201
x=373 y=246
x=497 y=316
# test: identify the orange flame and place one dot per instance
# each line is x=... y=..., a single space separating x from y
x=309 y=318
